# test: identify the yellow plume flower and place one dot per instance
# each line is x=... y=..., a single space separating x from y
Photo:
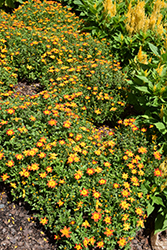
x=110 y=8
x=161 y=112
x=142 y=58
x=159 y=69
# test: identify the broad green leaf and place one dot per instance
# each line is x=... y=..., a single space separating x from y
x=144 y=79
x=150 y=209
x=143 y=89
x=160 y=223
x=78 y=2
x=160 y=126
x=157 y=200
x=154 y=49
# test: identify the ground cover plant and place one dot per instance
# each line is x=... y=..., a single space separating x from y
x=66 y=60
x=135 y=31
x=90 y=189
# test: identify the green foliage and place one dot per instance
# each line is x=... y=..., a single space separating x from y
x=149 y=93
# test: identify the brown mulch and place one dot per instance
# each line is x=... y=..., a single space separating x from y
x=19 y=229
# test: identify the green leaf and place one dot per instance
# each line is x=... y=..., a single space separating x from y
x=160 y=223
x=144 y=79
x=143 y=89
x=154 y=49
x=150 y=209
x=158 y=200
x=78 y=2
x=160 y=126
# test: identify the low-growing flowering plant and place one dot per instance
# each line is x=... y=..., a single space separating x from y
x=90 y=189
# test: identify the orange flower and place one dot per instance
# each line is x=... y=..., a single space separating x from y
x=125 y=217
x=39 y=144
x=32 y=152
x=49 y=169
x=78 y=246
x=84 y=152
x=125 y=193
x=157 y=155
x=62 y=142
x=46 y=112
x=46 y=96
x=84 y=192
x=34 y=166
x=157 y=172
x=52 y=122
x=26 y=174
x=126 y=185
x=125 y=176
x=100 y=244
x=97 y=152
x=96 y=216
x=102 y=181
x=92 y=240
x=65 y=232
x=143 y=129
x=90 y=171
x=43 y=175
x=115 y=185
x=122 y=242
x=32 y=118
x=108 y=232
x=134 y=180
x=51 y=183
x=140 y=165
x=107 y=164
x=4 y=177
x=10 y=111
x=85 y=242
x=43 y=139
x=124 y=205
x=130 y=165
x=78 y=137
x=10 y=132
x=56 y=237
x=77 y=176
x=43 y=221
x=126 y=226
x=66 y=124
x=10 y=163
x=85 y=224
x=107 y=220
x=139 y=211
x=60 y=203
x=142 y=150
x=125 y=157
x=41 y=155
x=96 y=194
x=1 y=155
x=140 y=223
x=19 y=156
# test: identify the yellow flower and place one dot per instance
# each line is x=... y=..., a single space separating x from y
x=126 y=226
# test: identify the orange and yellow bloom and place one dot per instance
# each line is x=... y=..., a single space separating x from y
x=65 y=232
